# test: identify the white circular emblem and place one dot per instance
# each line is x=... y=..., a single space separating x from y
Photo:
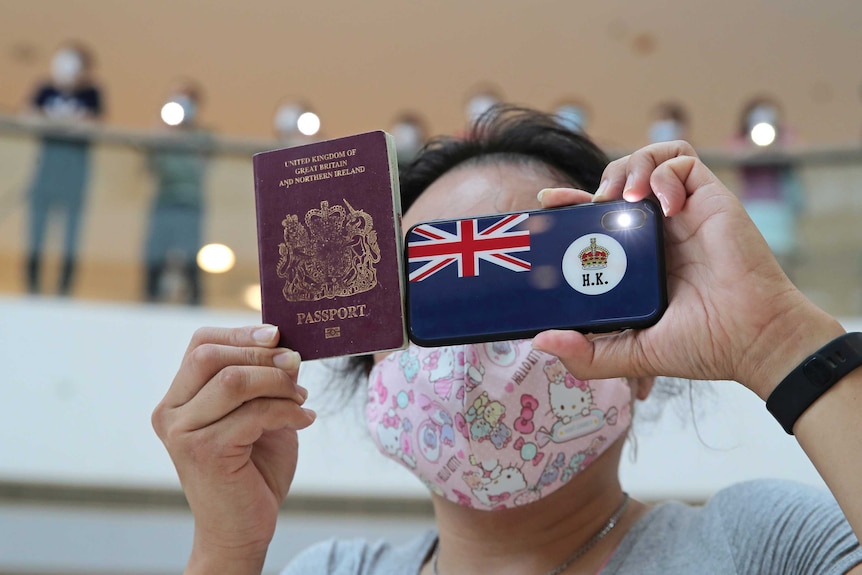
x=594 y=264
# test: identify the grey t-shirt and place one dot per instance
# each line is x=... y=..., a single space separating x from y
x=763 y=527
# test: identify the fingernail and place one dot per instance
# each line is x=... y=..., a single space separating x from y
x=302 y=391
x=603 y=187
x=265 y=334
x=541 y=193
x=630 y=182
x=310 y=412
x=662 y=200
x=287 y=360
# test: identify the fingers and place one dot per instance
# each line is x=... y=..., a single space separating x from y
x=671 y=171
x=213 y=349
x=557 y=197
x=254 y=335
x=223 y=370
x=205 y=361
x=230 y=438
x=230 y=392
x=245 y=425
x=676 y=179
x=235 y=386
x=629 y=177
x=595 y=357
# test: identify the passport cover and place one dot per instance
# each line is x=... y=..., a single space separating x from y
x=329 y=245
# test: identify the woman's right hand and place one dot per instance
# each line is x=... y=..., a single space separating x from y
x=229 y=422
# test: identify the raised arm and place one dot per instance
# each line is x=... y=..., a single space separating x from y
x=733 y=313
x=229 y=422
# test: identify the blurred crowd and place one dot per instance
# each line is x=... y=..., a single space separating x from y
x=177 y=160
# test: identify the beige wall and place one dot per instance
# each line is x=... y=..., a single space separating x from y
x=360 y=62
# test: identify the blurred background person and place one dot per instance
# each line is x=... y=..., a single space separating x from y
x=770 y=188
x=573 y=114
x=178 y=162
x=670 y=122
x=479 y=100
x=295 y=123
x=761 y=124
x=410 y=132
x=68 y=100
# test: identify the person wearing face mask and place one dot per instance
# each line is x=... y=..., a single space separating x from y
x=70 y=99
x=410 y=133
x=770 y=188
x=287 y=120
x=479 y=101
x=178 y=161
x=573 y=115
x=519 y=442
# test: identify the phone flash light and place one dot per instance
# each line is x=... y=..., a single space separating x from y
x=619 y=220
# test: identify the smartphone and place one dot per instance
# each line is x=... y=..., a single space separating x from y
x=593 y=268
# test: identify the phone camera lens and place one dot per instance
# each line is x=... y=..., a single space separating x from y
x=619 y=220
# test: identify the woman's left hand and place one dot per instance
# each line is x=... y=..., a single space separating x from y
x=732 y=313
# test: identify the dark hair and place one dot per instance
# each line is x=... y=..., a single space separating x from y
x=507 y=134
x=503 y=135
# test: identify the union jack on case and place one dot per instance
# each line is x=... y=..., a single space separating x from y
x=495 y=243
x=593 y=268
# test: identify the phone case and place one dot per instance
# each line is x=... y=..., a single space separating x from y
x=593 y=268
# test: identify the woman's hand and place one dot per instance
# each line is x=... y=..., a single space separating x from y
x=732 y=314
x=229 y=422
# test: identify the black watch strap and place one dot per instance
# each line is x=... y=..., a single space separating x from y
x=813 y=377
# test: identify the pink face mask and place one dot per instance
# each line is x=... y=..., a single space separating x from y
x=494 y=425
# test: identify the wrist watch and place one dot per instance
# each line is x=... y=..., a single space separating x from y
x=813 y=377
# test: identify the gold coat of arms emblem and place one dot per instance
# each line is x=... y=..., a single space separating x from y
x=330 y=253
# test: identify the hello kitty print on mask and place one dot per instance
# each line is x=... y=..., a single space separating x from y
x=495 y=425
x=573 y=405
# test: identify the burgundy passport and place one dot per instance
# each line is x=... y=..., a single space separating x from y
x=329 y=244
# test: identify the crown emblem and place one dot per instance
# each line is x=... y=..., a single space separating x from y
x=327 y=222
x=594 y=257
x=332 y=255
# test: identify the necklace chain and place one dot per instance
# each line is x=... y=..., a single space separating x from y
x=579 y=552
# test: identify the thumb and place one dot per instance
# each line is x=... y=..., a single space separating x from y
x=595 y=356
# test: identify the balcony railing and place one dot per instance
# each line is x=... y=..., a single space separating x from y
x=820 y=218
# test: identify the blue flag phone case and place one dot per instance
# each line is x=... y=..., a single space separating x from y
x=592 y=267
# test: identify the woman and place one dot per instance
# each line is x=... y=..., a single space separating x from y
x=230 y=417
